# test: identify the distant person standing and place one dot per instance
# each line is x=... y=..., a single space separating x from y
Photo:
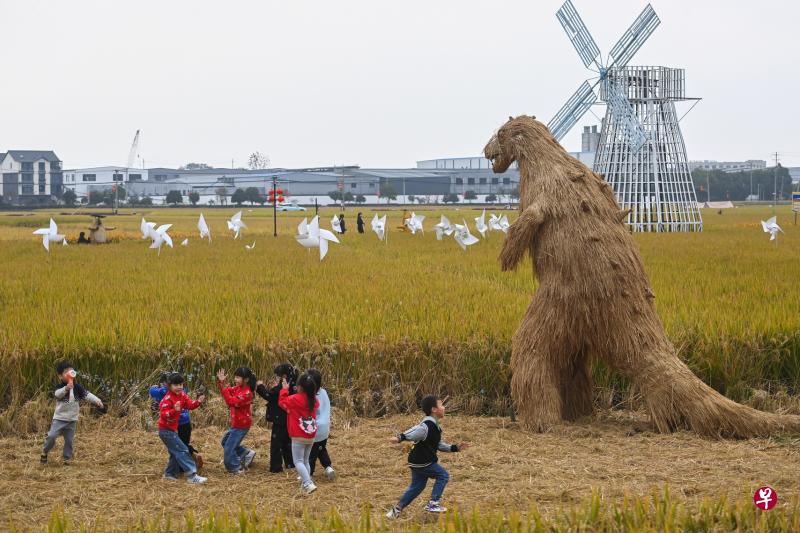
x=341 y=223
x=360 y=223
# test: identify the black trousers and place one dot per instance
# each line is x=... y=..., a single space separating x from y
x=280 y=449
x=185 y=434
x=319 y=451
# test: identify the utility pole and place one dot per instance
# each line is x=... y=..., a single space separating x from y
x=275 y=206
x=775 y=185
x=708 y=187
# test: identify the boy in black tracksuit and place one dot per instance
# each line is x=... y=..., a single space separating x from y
x=423 y=458
x=280 y=446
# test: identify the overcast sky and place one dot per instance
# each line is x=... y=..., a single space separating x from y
x=374 y=83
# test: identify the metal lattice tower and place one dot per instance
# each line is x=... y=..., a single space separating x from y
x=654 y=182
x=641 y=152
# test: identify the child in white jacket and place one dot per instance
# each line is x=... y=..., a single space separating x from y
x=68 y=394
x=320 y=448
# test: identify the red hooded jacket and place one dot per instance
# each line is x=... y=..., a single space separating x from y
x=239 y=399
x=300 y=420
x=169 y=416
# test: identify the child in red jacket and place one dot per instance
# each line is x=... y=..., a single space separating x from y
x=169 y=409
x=301 y=412
x=239 y=398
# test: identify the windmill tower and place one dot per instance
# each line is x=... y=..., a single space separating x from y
x=641 y=152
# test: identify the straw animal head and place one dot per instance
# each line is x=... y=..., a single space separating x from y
x=514 y=140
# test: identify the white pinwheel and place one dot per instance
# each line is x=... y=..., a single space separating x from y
x=160 y=237
x=185 y=242
x=480 y=224
x=443 y=228
x=771 y=226
x=379 y=226
x=497 y=223
x=310 y=235
x=250 y=246
x=336 y=224
x=463 y=237
x=414 y=223
x=146 y=228
x=235 y=224
x=50 y=234
x=205 y=231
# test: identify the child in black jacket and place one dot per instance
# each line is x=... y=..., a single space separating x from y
x=423 y=459
x=280 y=448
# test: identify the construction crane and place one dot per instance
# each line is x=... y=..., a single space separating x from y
x=134 y=150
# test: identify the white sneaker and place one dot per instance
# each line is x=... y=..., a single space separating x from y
x=330 y=473
x=196 y=480
x=435 y=507
x=248 y=459
x=308 y=489
x=393 y=513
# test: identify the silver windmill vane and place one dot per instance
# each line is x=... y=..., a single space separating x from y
x=641 y=152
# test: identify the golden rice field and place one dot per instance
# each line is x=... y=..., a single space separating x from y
x=389 y=318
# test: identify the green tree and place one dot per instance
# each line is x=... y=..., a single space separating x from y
x=735 y=186
x=491 y=198
x=336 y=196
x=174 y=197
x=69 y=197
x=133 y=199
x=387 y=191
x=238 y=197
x=252 y=195
x=146 y=201
x=514 y=193
x=194 y=197
x=470 y=195
x=361 y=199
x=450 y=198
x=194 y=166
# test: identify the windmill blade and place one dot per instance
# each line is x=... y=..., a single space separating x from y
x=634 y=37
x=623 y=113
x=572 y=111
x=578 y=35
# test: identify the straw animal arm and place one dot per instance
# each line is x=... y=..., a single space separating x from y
x=520 y=237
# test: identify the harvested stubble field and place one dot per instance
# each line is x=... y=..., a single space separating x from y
x=115 y=480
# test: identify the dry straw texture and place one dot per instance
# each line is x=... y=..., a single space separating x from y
x=594 y=301
x=115 y=479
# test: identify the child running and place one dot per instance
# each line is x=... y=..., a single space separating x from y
x=423 y=458
x=239 y=398
x=320 y=448
x=170 y=409
x=280 y=445
x=301 y=421
x=69 y=394
x=157 y=393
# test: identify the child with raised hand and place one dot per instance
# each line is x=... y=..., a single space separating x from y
x=239 y=398
x=320 y=448
x=280 y=445
x=423 y=458
x=170 y=409
x=301 y=422
x=157 y=393
x=68 y=393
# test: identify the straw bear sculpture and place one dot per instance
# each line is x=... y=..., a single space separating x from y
x=594 y=301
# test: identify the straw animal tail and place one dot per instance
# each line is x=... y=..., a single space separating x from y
x=677 y=399
x=594 y=301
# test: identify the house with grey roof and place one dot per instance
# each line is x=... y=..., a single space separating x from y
x=30 y=177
